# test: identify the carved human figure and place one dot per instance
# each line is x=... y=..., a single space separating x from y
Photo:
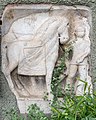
x=81 y=51
x=34 y=54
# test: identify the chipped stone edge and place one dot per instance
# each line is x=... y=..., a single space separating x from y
x=43 y=7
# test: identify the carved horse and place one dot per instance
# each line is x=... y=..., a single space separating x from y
x=49 y=33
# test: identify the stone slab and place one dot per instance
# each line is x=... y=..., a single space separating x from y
x=24 y=23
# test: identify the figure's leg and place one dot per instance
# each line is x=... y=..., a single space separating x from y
x=83 y=76
x=71 y=75
x=83 y=71
x=89 y=80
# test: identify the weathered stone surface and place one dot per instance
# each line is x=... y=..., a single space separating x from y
x=30 y=45
x=90 y=3
x=80 y=43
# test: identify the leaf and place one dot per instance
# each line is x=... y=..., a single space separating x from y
x=86 y=84
x=55 y=110
x=88 y=118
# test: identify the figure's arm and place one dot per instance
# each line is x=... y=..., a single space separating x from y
x=82 y=57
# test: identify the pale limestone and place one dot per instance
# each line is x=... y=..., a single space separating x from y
x=30 y=45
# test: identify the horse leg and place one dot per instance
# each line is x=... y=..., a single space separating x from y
x=10 y=67
x=7 y=67
x=10 y=58
x=50 y=68
x=48 y=84
x=7 y=72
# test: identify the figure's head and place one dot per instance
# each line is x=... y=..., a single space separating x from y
x=79 y=31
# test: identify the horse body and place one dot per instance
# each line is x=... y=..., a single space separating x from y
x=14 y=43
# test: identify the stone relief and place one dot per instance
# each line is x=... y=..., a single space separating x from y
x=80 y=43
x=30 y=49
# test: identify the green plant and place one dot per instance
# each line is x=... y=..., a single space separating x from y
x=58 y=73
x=56 y=86
x=71 y=107
x=34 y=113
x=76 y=107
x=14 y=115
